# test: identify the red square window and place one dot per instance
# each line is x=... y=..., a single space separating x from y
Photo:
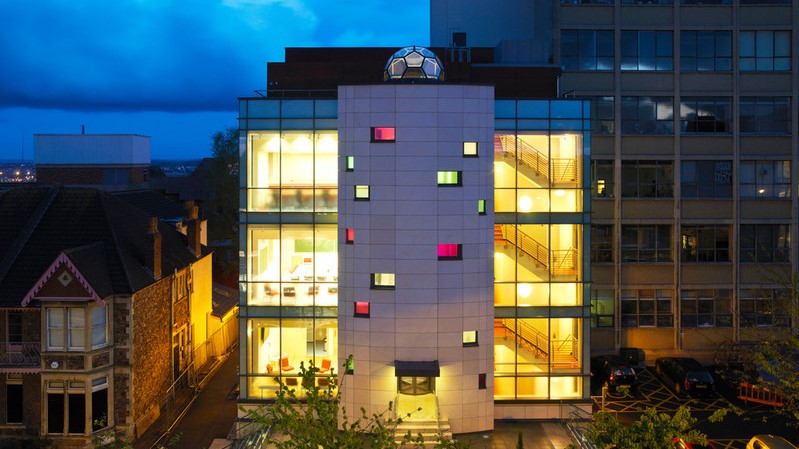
x=383 y=134
x=362 y=309
x=350 y=235
x=449 y=251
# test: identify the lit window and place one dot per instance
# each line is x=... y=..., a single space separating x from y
x=449 y=178
x=383 y=281
x=470 y=338
x=350 y=163
x=361 y=309
x=470 y=149
x=383 y=134
x=362 y=193
x=449 y=251
x=350 y=235
x=481 y=207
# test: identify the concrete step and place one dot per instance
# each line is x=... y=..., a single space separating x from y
x=428 y=429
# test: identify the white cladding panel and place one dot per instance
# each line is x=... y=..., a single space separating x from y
x=84 y=149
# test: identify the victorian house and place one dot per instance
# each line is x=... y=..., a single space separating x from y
x=100 y=307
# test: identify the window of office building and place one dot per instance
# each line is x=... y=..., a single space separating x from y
x=470 y=338
x=764 y=51
x=603 y=120
x=362 y=309
x=450 y=251
x=294 y=265
x=587 y=49
x=765 y=115
x=706 y=179
x=646 y=308
x=647 y=115
x=646 y=50
x=709 y=307
x=294 y=171
x=383 y=134
x=647 y=179
x=278 y=346
x=537 y=358
x=449 y=178
x=765 y=243
x=702 y=115
x=382 y=281
x=602 y=176
x=706 y=243
x=763 y=307
x=470 y=149
x=765 y=179
x=646 y=243
x=705 y=50
x=361 y=193
x=602 y=314
x=601 y=243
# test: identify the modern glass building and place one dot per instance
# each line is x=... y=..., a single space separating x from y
x=436 y=232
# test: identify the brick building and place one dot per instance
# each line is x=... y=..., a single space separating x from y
x=100 y=308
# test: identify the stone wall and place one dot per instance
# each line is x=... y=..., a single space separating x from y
x=151 y=348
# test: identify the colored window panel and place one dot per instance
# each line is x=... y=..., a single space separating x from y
x=449 y=251
x=361 y=193
x=350 y=163
x=383 y=134
x=470 y=149
x=449 y=178
x=361 y=309
x=350 y=235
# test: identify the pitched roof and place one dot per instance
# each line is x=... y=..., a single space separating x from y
x=153 y=203
x=224 y=299
x=103 y=236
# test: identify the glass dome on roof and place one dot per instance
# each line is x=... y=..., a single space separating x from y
x=413 y=63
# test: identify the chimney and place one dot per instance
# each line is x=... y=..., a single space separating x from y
x=193 y=232
x=152 y=249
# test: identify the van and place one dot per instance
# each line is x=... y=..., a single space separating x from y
x=685 y=375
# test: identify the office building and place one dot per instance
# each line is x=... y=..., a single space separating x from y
x=424 y=218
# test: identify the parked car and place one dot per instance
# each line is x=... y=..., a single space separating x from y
x=685 y=375
x=679 y=443
x=769 y=442
x=635 y=357
x=613 y=372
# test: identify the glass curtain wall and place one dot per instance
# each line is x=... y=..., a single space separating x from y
x=289 y=274
x=540 y=157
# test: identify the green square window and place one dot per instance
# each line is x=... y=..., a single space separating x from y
x=350 y=163
x=449 y=178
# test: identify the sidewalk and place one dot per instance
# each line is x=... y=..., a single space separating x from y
x=535 y=435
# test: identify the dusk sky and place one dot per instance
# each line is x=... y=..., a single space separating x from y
x=168 y=69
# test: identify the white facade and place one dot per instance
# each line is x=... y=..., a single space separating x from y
x=422 y=306
x=91 y=149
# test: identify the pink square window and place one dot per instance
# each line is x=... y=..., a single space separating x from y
x=449 y=251
x=383 y=134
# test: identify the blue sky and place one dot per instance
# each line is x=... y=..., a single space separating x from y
x=169 y=69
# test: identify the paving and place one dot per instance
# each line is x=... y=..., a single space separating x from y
x=535 y=435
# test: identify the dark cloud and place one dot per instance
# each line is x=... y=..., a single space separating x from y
x=154 y=67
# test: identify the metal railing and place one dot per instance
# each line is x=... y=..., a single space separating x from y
x=20 y=355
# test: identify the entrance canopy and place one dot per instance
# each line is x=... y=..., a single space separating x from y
x=416 y=369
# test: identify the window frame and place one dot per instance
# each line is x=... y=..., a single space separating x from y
x=607 y=167
x=448 y=247
x=699 y=251
x=657 y=313
x=376 y=281
x=603 y=320
x=755 y=246
x=602 y=248
x=752 y=123
x=707 y=175
x=695 y=124
x=634 y=45
x=637 y=252
x=376 y=134
x=691 y=47
x=758 y=51
x=637 y=120
x=362 y=309
x=775 y=185
x=761 y=307
x=591 y=51
x=652 y=179
x=702 y=308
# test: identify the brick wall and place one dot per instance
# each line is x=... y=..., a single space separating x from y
x=151 y=347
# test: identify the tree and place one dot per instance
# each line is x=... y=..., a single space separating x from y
x=652 y=430
x=316 y=419
x=222 y=208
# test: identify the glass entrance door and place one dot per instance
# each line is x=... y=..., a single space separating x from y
x=416 y=385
